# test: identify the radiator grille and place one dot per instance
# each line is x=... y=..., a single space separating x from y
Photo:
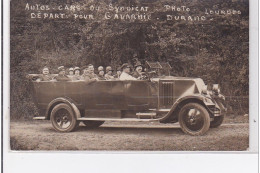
x=166 y=93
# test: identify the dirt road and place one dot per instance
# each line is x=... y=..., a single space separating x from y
x=39 y=135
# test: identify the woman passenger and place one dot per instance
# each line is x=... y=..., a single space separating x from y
x=76 y=74
x=101 y=74
x=71 y=73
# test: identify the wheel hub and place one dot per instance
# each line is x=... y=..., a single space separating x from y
x=65 y=119
x=62 y=119
x=192 y=114
x=193 y=119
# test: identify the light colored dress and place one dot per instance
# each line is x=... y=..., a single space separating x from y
x=125 y=76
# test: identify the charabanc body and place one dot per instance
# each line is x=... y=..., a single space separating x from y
x=165 y=99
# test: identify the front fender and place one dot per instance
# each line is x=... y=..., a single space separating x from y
x=59 y=100
x=197 y=98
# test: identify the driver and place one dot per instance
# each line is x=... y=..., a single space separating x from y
x=125 y=73
x=138 y=70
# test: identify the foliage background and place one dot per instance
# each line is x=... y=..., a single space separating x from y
x=217 y=50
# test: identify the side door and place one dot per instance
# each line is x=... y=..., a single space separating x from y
x=103 y=95
x=74 y=90
x=137 y=94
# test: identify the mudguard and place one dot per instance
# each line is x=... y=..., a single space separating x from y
x=66 y=100
x=186 y=99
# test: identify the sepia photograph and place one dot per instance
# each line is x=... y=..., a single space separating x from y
x=129 y=75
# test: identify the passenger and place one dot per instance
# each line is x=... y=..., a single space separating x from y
x=100 y=68
x=71 y=73
x=88 y=73
x=109 y=71
x=101 y=75
x=62 y=76
x=125 y=74
x=118 y=73
x=77 y=74
x=138 y=70
x=45 y=76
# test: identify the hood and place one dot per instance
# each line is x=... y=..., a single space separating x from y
x=198 y=81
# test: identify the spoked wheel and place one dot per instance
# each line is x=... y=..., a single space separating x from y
x=194 y=119
x=93 y=124
x=63 y=119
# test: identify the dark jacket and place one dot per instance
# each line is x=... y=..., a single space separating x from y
x=47 y=77
x=62 y=78
x=136 y=74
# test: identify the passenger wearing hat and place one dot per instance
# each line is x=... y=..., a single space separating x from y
x=84 y=74
x=71 y=73
x=138 y=70
x=101 y=73
x=62 y=76
x=88 y=73
x=118 y=73
x=45 y=76
x=109 y=72
x=76 y=74
x=125 y=73
x=100 y=68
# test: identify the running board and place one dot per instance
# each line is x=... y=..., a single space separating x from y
x=116 y=119
x=39 y=118
x=146 y=115
x=160 y=110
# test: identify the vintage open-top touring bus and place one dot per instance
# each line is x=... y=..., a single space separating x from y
x=166 y=99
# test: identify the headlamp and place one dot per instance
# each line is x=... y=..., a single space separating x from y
x=216 y=88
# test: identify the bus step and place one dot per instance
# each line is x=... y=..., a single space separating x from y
x=148 y=115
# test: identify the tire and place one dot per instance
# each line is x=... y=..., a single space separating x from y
x=217 y=121
x=63 y=118
x=194 y=119
x=93 y=124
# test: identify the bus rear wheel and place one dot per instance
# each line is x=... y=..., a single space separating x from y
x=63 y=118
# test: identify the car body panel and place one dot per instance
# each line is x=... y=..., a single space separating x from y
x=112 y=98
